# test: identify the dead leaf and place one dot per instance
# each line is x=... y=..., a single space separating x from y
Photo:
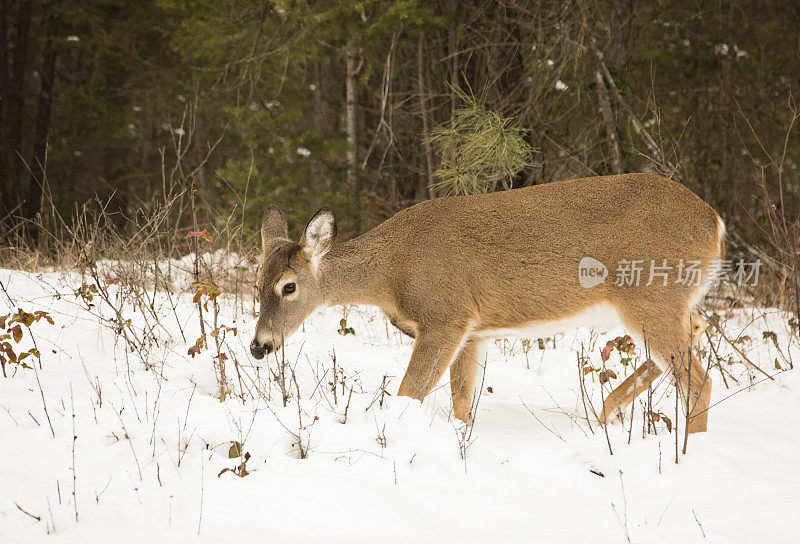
x=606 y=352
x=204 y=234
x=235 y=450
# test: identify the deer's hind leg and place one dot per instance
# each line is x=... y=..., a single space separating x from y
x=463 y=374
x=634 y=385
x=670 y=343
x=699 y=381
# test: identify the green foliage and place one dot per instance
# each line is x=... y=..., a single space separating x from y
x=479 y=149
x=255 y=93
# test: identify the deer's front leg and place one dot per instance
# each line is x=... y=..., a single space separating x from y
x=463 y=373
x=433 y=352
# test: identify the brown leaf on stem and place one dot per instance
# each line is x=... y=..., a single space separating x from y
x=606 y=352
x=204 y=234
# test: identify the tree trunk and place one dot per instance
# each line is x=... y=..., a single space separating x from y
x=727 y=101
x=321 y=106
x=452 y=50
x=604 y=103
x=422 y=191
x=604 y=83
x=3 y=50
x=199 y=153
x=199 y=160
x=38 y=162
x=621 y=31
x=16 y=87
x=6 y=179
x=353 y=191
x=12 y=73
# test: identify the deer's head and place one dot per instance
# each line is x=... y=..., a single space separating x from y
x=288 y=283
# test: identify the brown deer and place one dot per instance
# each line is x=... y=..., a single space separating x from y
x=457 y=271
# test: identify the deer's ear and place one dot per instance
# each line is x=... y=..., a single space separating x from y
x=273 y=227
x=319 y=235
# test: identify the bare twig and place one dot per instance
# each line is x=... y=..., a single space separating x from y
x=21 y=509
x=74 y=439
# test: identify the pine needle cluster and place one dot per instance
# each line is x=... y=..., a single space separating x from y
x=479 y=149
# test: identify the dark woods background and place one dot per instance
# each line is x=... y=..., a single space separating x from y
x=129 y=105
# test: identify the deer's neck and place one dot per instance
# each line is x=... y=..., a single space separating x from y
x=353 y=272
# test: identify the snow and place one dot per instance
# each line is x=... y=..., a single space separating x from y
x=722 y=49
x=151 y=442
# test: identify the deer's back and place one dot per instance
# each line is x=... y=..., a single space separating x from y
x=517 y=252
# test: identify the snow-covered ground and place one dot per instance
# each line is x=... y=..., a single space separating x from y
x=153 y=440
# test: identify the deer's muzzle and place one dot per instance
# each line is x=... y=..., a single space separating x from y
x=258 y=350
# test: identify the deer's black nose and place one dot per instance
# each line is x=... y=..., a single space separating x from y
x=258 y=350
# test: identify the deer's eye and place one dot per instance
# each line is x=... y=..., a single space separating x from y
x=289 y=288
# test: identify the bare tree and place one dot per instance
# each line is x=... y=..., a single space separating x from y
x=354 y=63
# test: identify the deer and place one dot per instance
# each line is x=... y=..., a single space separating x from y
x=456 y=272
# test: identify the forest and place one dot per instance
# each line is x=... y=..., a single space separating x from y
x=123 y=105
